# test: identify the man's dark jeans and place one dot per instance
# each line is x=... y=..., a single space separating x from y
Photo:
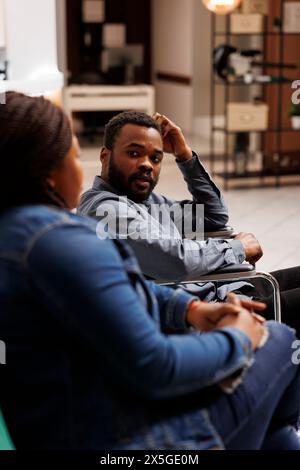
x=289 y=283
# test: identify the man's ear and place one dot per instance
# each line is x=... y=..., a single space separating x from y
x=104 y=155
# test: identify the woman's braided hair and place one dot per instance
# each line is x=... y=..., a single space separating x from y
x=35 y=136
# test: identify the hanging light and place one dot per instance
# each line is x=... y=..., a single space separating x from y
x=221 y=7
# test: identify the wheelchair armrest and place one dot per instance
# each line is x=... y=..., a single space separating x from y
x=235 y=268
x=235 y=271
x=224 y=232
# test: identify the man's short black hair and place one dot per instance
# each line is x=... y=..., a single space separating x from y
x=114 y=126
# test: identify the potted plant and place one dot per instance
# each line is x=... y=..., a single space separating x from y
x=295 y=116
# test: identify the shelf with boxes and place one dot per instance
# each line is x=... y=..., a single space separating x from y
x=109 y=61
x=103 y=46
x=255 y=63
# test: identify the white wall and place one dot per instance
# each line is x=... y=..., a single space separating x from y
x=61 y=37
x=32 y=45
x=172 y=36
x=176 y=102
x=182 y=46
x=2 y=25
x=173 y=54
x=202 y=56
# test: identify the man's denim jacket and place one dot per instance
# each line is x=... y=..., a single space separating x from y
x=88 y=365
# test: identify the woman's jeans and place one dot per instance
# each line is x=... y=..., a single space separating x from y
x=263 y=411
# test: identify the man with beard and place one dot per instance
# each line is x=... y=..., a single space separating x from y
x=122 y=198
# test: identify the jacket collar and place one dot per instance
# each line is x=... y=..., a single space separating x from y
x=101 y=185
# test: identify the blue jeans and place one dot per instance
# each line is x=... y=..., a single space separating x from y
x=263 y=417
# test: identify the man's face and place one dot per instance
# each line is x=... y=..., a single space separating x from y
x=135 y=161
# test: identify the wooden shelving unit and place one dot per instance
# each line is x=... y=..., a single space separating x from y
x=278 y=128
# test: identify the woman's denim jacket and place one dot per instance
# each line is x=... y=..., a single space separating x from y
x=88 y=362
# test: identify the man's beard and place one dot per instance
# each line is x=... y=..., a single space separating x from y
x=118 y=181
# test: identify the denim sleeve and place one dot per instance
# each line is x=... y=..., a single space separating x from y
x=82 y=282
x=173 y=305
x=204 y=191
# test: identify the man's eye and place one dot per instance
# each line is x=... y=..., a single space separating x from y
x=133 y=153
x=156 y=159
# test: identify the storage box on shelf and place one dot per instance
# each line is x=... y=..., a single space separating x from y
x=247 y=117
x=256 y=6
x=251 y=23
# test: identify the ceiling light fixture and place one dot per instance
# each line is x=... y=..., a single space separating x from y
x=221 y=7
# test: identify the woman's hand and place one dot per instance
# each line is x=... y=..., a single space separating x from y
x=207 y=316
x=246 y=321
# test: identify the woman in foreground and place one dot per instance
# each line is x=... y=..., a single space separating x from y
x=90 y=364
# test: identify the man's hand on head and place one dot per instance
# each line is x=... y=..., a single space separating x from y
x=173 y=139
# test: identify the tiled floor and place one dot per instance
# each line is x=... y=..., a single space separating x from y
x=272 y=214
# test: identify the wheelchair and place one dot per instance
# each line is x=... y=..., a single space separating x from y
x=237 y=272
